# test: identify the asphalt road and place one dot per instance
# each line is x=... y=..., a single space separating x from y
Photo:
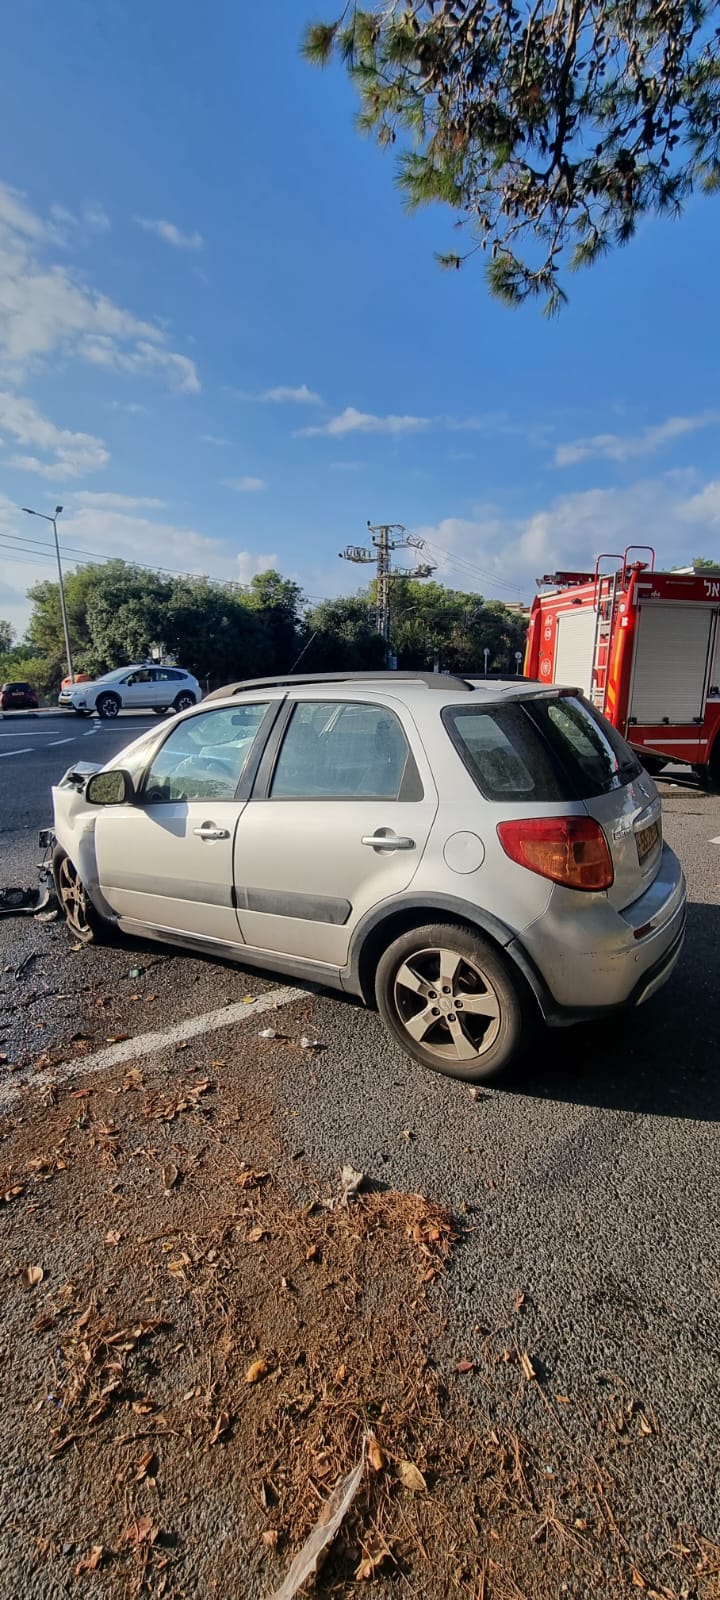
x=589 y=1177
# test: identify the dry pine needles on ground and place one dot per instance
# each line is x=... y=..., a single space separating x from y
x=213 y=1328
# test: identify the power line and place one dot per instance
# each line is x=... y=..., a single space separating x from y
x=147 y=566
x=33 y=557
x=463 y=565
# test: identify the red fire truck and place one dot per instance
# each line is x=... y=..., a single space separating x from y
x=644 y=646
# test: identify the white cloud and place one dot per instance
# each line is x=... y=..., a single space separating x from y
x=245 y=485
x=47 y=310
x=64 y=454
x=131 y=406
x=501 y=555
x=116 y=502
x=286 y=394
x=145 y=358
x=704 y=507
x=170 y=234
x=487 y=422
x=17 y=216
x=248 y=565
x=214 y=438
x=96 y=217
x=352 y=421
x=623 y=447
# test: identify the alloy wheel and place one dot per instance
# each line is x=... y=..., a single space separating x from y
x=447 y=1004
x=73 y=899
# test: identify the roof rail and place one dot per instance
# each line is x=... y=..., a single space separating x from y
x=431 y=680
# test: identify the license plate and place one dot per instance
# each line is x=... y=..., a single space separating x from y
x=646 y=840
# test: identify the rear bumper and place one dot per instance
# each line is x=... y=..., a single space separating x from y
x=603 y=959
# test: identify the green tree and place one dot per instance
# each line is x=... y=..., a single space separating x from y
x=215 y=633
x=7 y=636
x=551 y=128
x=702 y=564
x=277 y=603
x=342 y=636
x=433 y=625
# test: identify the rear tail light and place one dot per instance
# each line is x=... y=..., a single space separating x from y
x=570 y=850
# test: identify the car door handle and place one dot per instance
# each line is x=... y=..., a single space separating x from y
x=208 y=830
x=385 y=840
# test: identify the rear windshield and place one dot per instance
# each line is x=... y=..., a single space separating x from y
x=538 y=750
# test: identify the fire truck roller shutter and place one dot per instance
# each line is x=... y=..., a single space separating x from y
x=574 y=652
x=671 y=659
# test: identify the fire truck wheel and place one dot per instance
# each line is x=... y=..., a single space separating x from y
x=708 y=776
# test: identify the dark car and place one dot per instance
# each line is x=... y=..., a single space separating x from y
x=18 y=697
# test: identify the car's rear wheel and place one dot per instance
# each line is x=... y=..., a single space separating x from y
x=184 y=701
x=108 y=705
x=80 y=914
x=448 y=998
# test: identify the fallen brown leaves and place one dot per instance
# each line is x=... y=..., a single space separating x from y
x=187 y=1099
x=259 y=1346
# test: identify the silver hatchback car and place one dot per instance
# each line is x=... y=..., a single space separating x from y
x=469 y=854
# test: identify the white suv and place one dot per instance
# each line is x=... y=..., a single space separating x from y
x=144 y=687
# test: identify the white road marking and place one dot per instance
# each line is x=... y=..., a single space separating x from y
x=54 y=742
x=147 y=1044
x=26 y=752
x=715 y=841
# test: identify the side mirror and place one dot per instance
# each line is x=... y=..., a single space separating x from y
x=114 y=788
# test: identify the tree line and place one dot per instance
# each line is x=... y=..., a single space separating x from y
x=117 y=614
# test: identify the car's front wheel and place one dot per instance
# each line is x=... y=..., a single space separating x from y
x=184 y=701
x=80 y=914
x=108 y=705
x=449 y=1000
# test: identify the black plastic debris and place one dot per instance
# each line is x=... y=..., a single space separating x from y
x=17 y=902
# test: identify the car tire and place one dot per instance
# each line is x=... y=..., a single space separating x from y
x=108 y=705
x=441 y=965
x=183 y=701
x=84 y=922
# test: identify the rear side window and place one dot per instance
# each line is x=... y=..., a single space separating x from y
x=541 y=749
x=504 y=753
x=592 y=752
x=336 y=750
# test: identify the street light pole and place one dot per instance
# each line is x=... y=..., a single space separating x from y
x=63 y=609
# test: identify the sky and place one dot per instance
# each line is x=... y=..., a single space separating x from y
x=225 y=346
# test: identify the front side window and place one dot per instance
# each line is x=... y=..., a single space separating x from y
x=342 y=750
x=144 y=676
x=204 y=757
